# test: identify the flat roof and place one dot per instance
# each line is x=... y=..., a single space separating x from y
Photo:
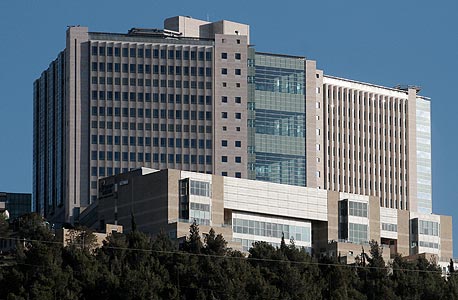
x=138 y=38
x=373 y=85
x=280 y=55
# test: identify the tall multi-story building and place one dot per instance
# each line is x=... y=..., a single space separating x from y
x=17 y=204
x=172 y=98
x=196 y=96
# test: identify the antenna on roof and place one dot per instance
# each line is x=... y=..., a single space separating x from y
x=208 y=17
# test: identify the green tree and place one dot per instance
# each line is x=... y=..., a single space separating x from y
x=340 y=281
x=375 y=278
x=39 y=264
x=193 y=243
x=405 y=278
x=32 y=226
x=4 y=226
x=430 y=276
x=82 y=238
x=215 y=244
x=451 y=290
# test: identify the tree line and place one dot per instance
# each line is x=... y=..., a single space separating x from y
x=135 y=266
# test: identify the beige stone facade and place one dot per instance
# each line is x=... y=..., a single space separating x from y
x=171 y=98
x=196 y=96
x=245 y=211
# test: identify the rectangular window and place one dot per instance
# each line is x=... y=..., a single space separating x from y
x=200 y=188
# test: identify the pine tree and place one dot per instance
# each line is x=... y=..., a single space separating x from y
x=215 y=244
x=193 y=243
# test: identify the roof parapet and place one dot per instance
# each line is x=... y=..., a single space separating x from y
x=154 y=32
x=406 y=87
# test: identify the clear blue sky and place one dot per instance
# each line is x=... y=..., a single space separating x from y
x=382 y=42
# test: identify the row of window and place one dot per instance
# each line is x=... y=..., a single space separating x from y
x=428 y=228
x=429 y=245
x=200 y=188
x=237 y=128
x=354 y=96
x=148 y=141
x=199 y=212
x=236 y=174
x=357 y=233
x=237 y=159
x=381 y=159
x=389 y=227
x=389 y=188
x=236 y=71
x=151 y=53
x=154 y=83
x=395 y=204
x=384 y=173
x=108 y=171
x=200 y=206
x=343 y=137
x=156 y=158
x=353 y=113
x=151 y=69
x=237 y=144
x=237 y=55
x=238 y=116
x=279 y=80
x=236 y=99
x=154 y=97
x=268 y=229
x=357 y=209
x=153 y=113
x=278 y=123
x=247 y=244
x=155 y=127
x=200 y=217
